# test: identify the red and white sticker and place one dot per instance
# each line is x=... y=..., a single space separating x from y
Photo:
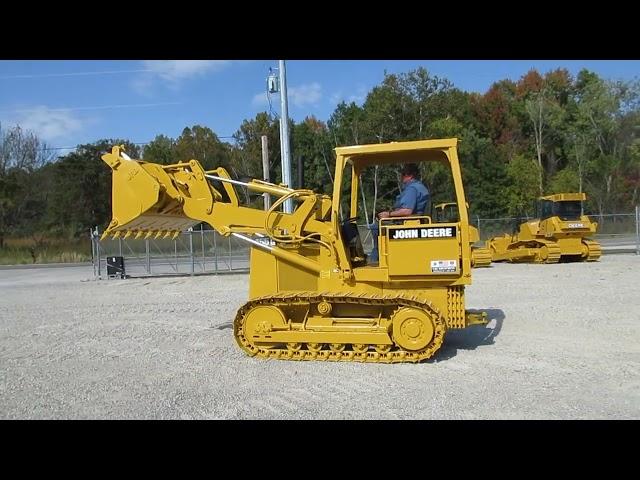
x=444 y=266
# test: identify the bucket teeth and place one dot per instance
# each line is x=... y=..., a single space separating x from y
x=136 y=234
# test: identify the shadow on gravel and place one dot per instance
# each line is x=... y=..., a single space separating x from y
x=471 y=337
x=223 y=326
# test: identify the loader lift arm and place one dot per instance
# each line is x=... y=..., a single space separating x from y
x=161 y=200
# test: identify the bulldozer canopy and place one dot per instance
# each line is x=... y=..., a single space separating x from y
x=362 y=156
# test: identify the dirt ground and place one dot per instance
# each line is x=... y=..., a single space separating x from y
x=563 y=343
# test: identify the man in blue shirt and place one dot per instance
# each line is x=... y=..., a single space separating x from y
x=413 y=200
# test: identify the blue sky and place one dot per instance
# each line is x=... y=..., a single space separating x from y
x=71 y=102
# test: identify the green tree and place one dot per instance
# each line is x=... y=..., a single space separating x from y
x=606 y=114
x=82 y=195
x=522 y=191
x=21 y=154
x=160 y=150
x=426 y=98
x=200 y=143
x=312 y=145
x=389 y=111
x=544 y=101
x=246 y=158
x=347 y=125
x=566 y=180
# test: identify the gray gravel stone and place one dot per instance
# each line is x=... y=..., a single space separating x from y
x=563 y=343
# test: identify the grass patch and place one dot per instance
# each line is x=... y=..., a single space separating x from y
x=22 y=251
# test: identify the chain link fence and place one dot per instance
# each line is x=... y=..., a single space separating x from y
x=203 y=251
x=190 y=253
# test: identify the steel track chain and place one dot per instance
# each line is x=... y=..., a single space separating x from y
x=595 y=250
x=396 y=355
x=553 y=252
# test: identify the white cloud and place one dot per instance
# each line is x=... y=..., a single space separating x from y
x=358 y=97
x=173 y=72
x=260 y=99
x=307 y=94
x=143 y=84
x=48 y=124
x=176 y=70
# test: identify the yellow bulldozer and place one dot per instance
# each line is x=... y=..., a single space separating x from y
x=559 y=233
x=448 y=212
x=313 y=295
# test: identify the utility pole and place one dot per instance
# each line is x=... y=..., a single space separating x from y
x=300 y=173
x=284 y=135
x=265 y=170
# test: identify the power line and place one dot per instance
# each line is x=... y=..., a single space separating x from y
x=133 y=143
x=102 y=107
x=72 y=74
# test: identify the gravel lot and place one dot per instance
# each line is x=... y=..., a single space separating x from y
x=563 y=343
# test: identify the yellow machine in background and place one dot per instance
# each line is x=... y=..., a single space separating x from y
x=480 y=255
x=558 y=234
x=312 y=293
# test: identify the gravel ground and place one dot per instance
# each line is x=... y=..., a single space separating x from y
x=563 y=343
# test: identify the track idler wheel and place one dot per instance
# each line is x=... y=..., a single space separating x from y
x=413 y=328
x=260 y=321
x=544 y=253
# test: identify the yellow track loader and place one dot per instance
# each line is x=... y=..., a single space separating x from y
x=480 y=255
x=558 y=234
x=312 y=295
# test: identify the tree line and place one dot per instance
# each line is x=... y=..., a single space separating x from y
x=521 y=139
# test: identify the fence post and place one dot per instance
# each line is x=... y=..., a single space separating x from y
x=203 y=253
x=98 y=254
x=230 y=257
x=479 y=231
x=146 y=247
x=637 y=230
x=191 y=250
x=215 y=250
x=93 y=255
